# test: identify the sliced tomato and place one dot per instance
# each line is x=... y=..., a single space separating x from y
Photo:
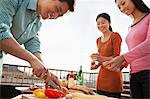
x=53 y=93
x=65 y=90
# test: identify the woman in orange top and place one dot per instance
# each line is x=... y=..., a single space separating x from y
x=109 y=83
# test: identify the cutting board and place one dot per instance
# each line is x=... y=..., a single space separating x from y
x=75 y=96
x=30 y=96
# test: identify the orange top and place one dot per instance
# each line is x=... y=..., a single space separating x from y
x=109 y=81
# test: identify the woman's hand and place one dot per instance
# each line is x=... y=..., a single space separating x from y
x=114 y=64
x=94 y=65
x=97 y=57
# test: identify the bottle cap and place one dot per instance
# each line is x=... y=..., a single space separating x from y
x=71 y=75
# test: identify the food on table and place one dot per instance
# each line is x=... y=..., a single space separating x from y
x=84 y=89
x=40 y=93
x=75 y=91
x=31 y=89
x=54 y=93
x=50 y=92
x=84 y=96
x=65 y=90
x=63 y=83
x=68 y=96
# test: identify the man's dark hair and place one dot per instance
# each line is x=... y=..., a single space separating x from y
x=139 y=4
x=70 y=3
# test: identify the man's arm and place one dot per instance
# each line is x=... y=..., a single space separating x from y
x=12 y=47
x=33 y=46
x=38 y=55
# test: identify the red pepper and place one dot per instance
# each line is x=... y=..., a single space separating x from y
x=54 y=93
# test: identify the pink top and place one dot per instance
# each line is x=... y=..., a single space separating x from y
x=138 y=41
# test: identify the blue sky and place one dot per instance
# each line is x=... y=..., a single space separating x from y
x=66 y=43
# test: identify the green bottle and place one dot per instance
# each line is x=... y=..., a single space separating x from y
x=80 y=77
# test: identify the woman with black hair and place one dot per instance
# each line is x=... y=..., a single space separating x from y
x=109 y=83
x=138 y=41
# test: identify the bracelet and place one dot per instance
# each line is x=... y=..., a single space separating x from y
x=98 y=65
x=122 y=66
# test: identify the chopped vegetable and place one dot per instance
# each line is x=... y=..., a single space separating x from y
x=40 y=93
x=54 y=93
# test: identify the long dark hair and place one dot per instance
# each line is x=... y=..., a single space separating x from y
x=107 y=17
x=139 y=4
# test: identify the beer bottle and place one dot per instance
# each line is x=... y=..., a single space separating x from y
x=80 y=77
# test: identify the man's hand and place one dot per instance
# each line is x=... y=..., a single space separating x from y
x=38 y=68
x=52 y=77
x=41 y=72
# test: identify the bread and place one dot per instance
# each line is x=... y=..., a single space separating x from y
x=84 y=96
x=84 y=89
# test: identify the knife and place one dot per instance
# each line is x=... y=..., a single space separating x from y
x=52 y=84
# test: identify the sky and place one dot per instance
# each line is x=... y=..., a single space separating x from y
x=68 y=42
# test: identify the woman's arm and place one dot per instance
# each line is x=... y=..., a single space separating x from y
x=141 y=50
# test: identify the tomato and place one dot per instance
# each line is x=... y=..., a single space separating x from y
x=65 y=90
x=64 y=83
x=53 y=93
x=39 y=93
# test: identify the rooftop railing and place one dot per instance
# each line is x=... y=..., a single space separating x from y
x=21 y=76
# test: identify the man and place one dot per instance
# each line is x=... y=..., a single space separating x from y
x=20 y=23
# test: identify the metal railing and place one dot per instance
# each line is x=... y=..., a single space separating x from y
x=17 y=75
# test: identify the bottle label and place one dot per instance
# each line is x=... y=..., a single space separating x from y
x=80 y=80
x=71 y=82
